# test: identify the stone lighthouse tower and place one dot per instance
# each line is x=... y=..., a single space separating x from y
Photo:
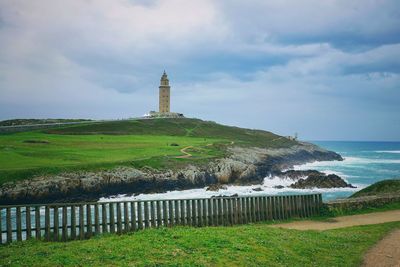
x=164 y=95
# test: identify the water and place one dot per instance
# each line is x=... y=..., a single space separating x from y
x=365 y=163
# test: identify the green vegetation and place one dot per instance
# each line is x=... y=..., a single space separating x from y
x=180 y=127
x=382 y=187
x=245 y=245
x=37 y=121
x=140 y=143
x=327 y=214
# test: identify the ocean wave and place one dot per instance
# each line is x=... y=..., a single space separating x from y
x=388 y=151
x=348 y=161
x=268 y=187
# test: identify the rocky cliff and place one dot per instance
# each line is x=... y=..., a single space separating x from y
x=242 y=166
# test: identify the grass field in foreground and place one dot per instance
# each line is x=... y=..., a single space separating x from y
x=136 y=143
x=246 y=245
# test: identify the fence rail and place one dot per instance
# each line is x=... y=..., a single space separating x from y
x=63 y=222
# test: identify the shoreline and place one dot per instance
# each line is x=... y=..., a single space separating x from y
x=244 y=166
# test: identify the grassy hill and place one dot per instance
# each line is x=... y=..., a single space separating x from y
x=244 y=245
x=21 y=122
x=382 y=187
x=156 y=143
x=180 y=127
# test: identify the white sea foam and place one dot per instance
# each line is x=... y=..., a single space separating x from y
x=388 y=151
x=348 y=161
x=267 y=187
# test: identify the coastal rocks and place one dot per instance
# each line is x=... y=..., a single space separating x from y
x=279 y=187
x=242 y=166
x=313 y=179
x=295 y=174
x=216 y=187
x=321 y=180
x=257 y=189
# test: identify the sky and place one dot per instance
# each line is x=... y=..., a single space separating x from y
x=328 y=70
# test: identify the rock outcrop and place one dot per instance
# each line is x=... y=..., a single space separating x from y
x=313 y=179
x=321 y=181
x=242 y=166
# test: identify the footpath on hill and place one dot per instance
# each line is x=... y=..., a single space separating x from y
x=385 y=253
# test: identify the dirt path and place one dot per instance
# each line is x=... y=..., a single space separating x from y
x=186 y=154
x=385 y=253
x=344 y=221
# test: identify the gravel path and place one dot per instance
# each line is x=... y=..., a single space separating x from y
x=344 y=221
x=386 y=253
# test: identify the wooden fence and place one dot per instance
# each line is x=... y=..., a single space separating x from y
x=62 y=222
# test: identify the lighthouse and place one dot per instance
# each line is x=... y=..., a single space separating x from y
x=164 y=94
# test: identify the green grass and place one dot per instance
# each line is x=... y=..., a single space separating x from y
x=381 y=187
x=97 y=146
x=19 y=160
x=246 y=245
x=180 y=127
x=36 y=121
x=327 y=214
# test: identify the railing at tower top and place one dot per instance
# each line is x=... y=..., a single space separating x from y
x=63 y=222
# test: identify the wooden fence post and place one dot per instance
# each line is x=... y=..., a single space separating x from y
x=146 y=214
x=64 y=233
x=28 y=223
x=56 y=223
x=140 y=215
x=188 y=212
x=19 y=223
x=170 y=213
x=1 y=228
x=89 y=229
x=126 y=217
x=183 y=221
x=257 y=208
x=194 y=214
x=96 y=219
x=199 y=213
x=119 y=218
x=73 y=222
x=133 y=216
x=38 y=229
x=81 y=223
x=177 y=213
x=215 y=211
x=112 y=218
x=8 y=225
x=210 y=216
x=205 y=218
x=159 y=220
x=165 y=213
x=253 y=209
x=153 y=214
x=47 y=223
x=104 y=224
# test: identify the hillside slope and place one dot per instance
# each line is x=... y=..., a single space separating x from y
x=105 y=158
x=380 y=188
x=180 y=127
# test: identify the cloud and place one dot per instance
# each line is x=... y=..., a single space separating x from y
x=308 y=66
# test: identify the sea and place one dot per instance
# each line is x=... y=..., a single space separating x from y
x=364 y=164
